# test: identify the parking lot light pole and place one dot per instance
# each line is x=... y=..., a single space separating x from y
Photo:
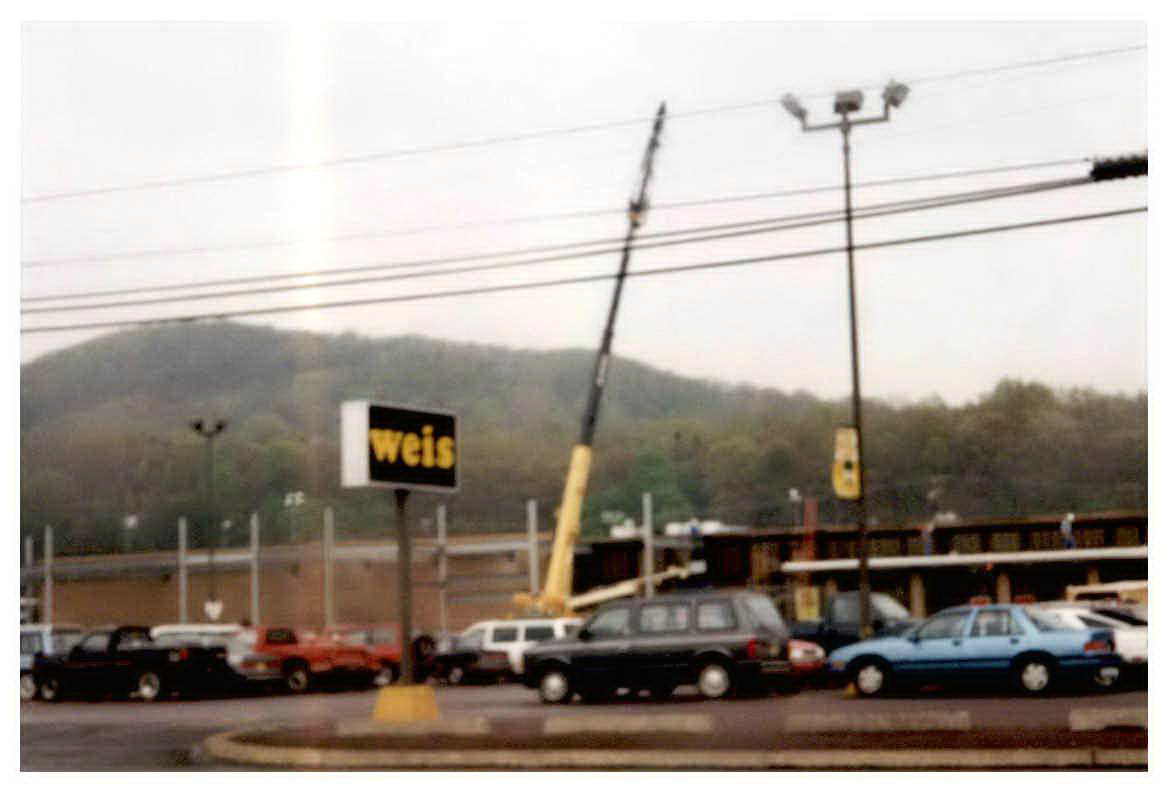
x=846 y=103
x=208 y=432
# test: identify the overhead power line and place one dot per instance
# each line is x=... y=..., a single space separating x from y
x=666 y=239
x=375 y=234
x=529 y=285
x=266 y=170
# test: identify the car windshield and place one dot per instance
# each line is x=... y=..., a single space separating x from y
x=763 y=614
x=64 y=640
x=1121 y=615
x=1049 y=621
x=470 y=640
x=243 y=641
x=889 y=609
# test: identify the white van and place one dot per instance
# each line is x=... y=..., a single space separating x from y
x=514 y=636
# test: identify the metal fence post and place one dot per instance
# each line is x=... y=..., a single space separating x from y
x=440 y=519
x=328 y=538
x=47 y=616
x=647 y=541
x=182 y=570
x=533 y=545
x=255 y=568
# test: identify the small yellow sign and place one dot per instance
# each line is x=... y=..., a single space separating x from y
x=845 y=469
x=806 y=603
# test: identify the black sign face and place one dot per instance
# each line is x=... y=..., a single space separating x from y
x=412 y=449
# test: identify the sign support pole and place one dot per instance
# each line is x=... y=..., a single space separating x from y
x=405 y=599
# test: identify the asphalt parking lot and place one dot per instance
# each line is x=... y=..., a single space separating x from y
x=167 y=735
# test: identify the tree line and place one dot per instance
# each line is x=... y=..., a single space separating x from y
x=105 y=434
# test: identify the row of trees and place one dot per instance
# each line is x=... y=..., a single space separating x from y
x=121 y=445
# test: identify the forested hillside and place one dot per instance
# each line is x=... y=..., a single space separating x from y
x=105 y=433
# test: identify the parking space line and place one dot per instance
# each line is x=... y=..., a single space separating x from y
x=935 y=720
x=1100 y=718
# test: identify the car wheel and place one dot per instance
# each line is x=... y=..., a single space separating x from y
x=297 y=678
x=1107 y=678
x=387 y=675
x=455 y=675
x=871 y=677
x=554 y=687
x=149 y=686
x=28 y=687
x=51 y=689
x=714 y=680
x=1034 y=675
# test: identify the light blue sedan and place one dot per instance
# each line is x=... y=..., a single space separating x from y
x=991 y=642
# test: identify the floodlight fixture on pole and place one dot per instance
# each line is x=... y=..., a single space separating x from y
x=794 y=107
x=846 y=103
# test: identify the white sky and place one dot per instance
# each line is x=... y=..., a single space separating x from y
x=114 y=104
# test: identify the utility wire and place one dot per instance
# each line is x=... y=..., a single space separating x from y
x=266 y=170
x=1051 y=221
x=742 y=228
x=374 y=234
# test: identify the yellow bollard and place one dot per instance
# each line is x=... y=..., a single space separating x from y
x=406 y=703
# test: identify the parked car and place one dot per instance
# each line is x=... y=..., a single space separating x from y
x=840 y=625
x=304 y=661
x=718 y=640
x=515 y=636
x=250 y=668
x=42 y=639
x=384 y=646
x=127 y=661
x=993 y=642
x=466 y=659
x=1131 y=631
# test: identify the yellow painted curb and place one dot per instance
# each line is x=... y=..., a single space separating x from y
x=406 y=703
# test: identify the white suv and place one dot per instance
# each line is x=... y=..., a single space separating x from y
x=514 y=636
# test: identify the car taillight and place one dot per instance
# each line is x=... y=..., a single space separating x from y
x=178 y=655
x=752 y=649
x=1097 y=645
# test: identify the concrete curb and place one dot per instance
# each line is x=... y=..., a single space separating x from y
x=1100 y=718
x=935 y=720
x=628 y=724
x=226 y=747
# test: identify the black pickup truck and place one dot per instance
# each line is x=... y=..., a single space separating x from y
x=841 y=623
x=126 y=661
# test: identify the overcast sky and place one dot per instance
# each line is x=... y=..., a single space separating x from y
x=112 y=105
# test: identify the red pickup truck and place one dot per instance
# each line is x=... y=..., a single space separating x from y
x=304 y=660
x=383 y=645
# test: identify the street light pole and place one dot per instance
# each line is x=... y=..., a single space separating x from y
x=846 y=103
x=208 y=432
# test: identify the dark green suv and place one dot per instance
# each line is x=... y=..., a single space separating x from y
x=716 y=639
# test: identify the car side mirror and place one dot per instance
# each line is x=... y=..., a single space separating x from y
x=584 y=634
x=75 y=651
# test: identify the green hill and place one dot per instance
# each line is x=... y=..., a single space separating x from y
x=104 y=433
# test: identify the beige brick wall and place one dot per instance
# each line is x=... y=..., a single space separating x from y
x=293 y=594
